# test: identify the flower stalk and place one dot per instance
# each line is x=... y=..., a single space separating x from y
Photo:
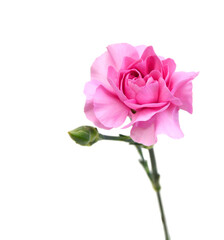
x=153 y=174
x=87 y=136
x=156 y=185
x=122 y=138
x=154 y=178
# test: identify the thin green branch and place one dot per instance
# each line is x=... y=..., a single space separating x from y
x=122 y=138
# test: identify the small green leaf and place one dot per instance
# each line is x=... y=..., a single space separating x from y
x=146 y=167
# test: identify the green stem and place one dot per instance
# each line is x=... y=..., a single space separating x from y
x=116 y=138
x=155 y=177
x=153 y=174
x=144 y=163
x=163 y=216
x=122 y=138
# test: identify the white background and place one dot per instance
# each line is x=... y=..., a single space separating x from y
x=51 y=188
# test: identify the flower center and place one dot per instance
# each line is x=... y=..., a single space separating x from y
x=141 y=89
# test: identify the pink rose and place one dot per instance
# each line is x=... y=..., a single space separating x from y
x=134 y=82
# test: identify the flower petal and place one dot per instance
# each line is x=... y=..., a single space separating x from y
x=148 y=93
x=140 y=49
x=153 y=63
x=118 y=51
x=149 y=51
x=167 y=122
x=90 y=88
x=109 y=110
x=131 y=103
x=90 y=114
x=145 y=114
x=99 y=69
x=180 y=78
x=128 y=62
x=184 y=93
x=165 y=95
x=113 y=79
x=169 y=67
x=155 y=74
x=144 y=133
x=182 y=88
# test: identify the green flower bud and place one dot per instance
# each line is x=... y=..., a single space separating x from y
x=85 y=135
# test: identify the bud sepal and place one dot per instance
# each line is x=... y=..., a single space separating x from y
x=85 y=135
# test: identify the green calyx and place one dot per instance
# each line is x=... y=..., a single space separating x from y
x=85 y=135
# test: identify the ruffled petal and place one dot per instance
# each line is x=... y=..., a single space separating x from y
x=149 y=51
x=145 y=114
x=114 y=82
x=153 y=63
x=131 y=103
x=167 y=122
x=109 y=110
x=117 y=52
x=99 y=69
x=140 y=49
x=148 y=93
x=128 y=62
x=180 y=78
x=90 y=114
x=144 y=133
x=169 y=67
x=165 y=95
x=181 y=85
x=90 y=89
x=184 y=92
x=155 y=74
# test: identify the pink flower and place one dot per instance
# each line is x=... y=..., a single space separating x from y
x=134 y=82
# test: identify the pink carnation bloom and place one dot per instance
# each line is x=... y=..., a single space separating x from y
x=134 y=82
